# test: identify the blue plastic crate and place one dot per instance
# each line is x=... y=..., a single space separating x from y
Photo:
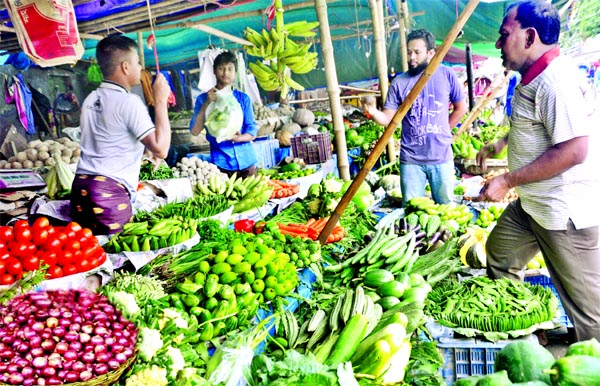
x=466 y=357
x=545 y=281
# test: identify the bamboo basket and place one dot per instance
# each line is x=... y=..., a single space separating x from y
x=107 y=379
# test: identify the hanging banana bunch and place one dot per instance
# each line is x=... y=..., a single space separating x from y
x=285 y=56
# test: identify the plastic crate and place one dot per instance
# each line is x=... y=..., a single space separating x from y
x=466 y=357
x=313 y=149
x=545 y=281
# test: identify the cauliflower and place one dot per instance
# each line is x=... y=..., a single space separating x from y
x=170 y=313
x=153 y=376
x=332 y=185
x=149 y=343
x=189 y=377
x=314 y=205
x=177 y=362
x=125 y=302
x=330 y=205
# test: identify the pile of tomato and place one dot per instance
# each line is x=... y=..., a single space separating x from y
x=65 y=250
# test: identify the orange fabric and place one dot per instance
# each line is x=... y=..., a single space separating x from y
x=146 y=81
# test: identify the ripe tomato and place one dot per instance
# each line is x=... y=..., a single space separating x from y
x=23 y=234
x=69 y=269
x=63 y=237
x=2 y=266
x=72 y=245
x=54 y=272
x=6 y=233
x=87 y=233
x=3 y=246
x=40 y=236
x=41 y=223
x=21 y=224
x=53 y=244
x=83 y=265
x=73 y=226
x=14 y=266
x=5 y=255
x=6 y=279
x=49 y=258
x=17 y=249
x=51 y=231
x=64 y=258
x=31 y=263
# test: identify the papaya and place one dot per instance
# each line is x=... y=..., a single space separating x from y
x=589 y=347
x=524 y=361
x=499 y=378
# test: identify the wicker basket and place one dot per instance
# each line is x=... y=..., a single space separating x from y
x=107 y=379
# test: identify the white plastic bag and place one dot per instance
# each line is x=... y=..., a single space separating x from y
x=224 y=117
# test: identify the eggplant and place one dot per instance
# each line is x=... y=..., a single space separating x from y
x=368 y=238
x=415 y=229
x=420 y=235
x=446 y=235
x=434 y=246
x=403 y=225
x=435 y=237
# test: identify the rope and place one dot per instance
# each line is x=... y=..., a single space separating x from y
x=150 y=19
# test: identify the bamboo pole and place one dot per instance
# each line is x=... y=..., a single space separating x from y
x=358 y=89
x=333 y=90
x=299 y=101
x=376 y=8
x=403 y=22
x=395 y=122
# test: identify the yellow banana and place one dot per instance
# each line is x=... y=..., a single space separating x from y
x=259 y=73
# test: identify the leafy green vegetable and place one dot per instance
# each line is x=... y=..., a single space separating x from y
x=294 y=369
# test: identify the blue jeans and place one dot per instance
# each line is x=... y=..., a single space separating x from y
x=413 y=179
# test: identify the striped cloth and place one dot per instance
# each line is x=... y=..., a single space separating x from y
x=552 y=109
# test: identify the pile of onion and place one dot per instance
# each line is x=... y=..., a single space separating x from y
x=61 y=337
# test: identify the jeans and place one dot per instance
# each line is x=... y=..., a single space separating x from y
x=413 y=179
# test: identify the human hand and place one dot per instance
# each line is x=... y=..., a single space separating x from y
x=156 y=161
x=161 y=89
x=495 y=189
x=486 y=152
x=368 y=103
x=211 y=95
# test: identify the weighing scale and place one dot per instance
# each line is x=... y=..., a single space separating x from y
x=20 y=179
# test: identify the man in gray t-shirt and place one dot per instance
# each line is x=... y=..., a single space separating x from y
x=425 y=153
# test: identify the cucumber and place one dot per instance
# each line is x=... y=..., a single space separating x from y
x=349 y=339
x=376 y=277
x=496 y=379
x=376 y=361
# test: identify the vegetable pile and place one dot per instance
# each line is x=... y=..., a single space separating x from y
x=244 y=194
x=40 y=154
x=283 y=189
x=148 y=171
x=482 y=304
x=56 y=337
x=197 y=170
x=65 y=250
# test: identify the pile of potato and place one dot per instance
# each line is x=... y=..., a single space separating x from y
x=42 y=153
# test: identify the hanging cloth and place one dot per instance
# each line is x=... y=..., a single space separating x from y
x=19 y=94
x=206 y=60
x=171 y=101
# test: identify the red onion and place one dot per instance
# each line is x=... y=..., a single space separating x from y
x=48 y=372
x=75 y=327
x=78 y=366
x=54 y=381
x=61 y=347
x=88 y=357
x=15 y=379
x=29 y=382
x=100 y=368
x=40 y=362
x=37 y=351
x=85 y=375
x=70 y=355
x=71 y=376
x=48 y=344
x=76 y=345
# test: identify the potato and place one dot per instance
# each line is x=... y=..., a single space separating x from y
x=31 y=154
x=17 y=165
x=38 y=164
x=63 y=140
x=12 y=159
x=50 y=162
x=21 y=156
x=76 y=152
x=66 y=152
x=33 y=144
x=8 y=165
x=41 y=148
x=3 y=162
x=74 y=160
x=43 y=155
x=66 y=159
x=28 y=164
